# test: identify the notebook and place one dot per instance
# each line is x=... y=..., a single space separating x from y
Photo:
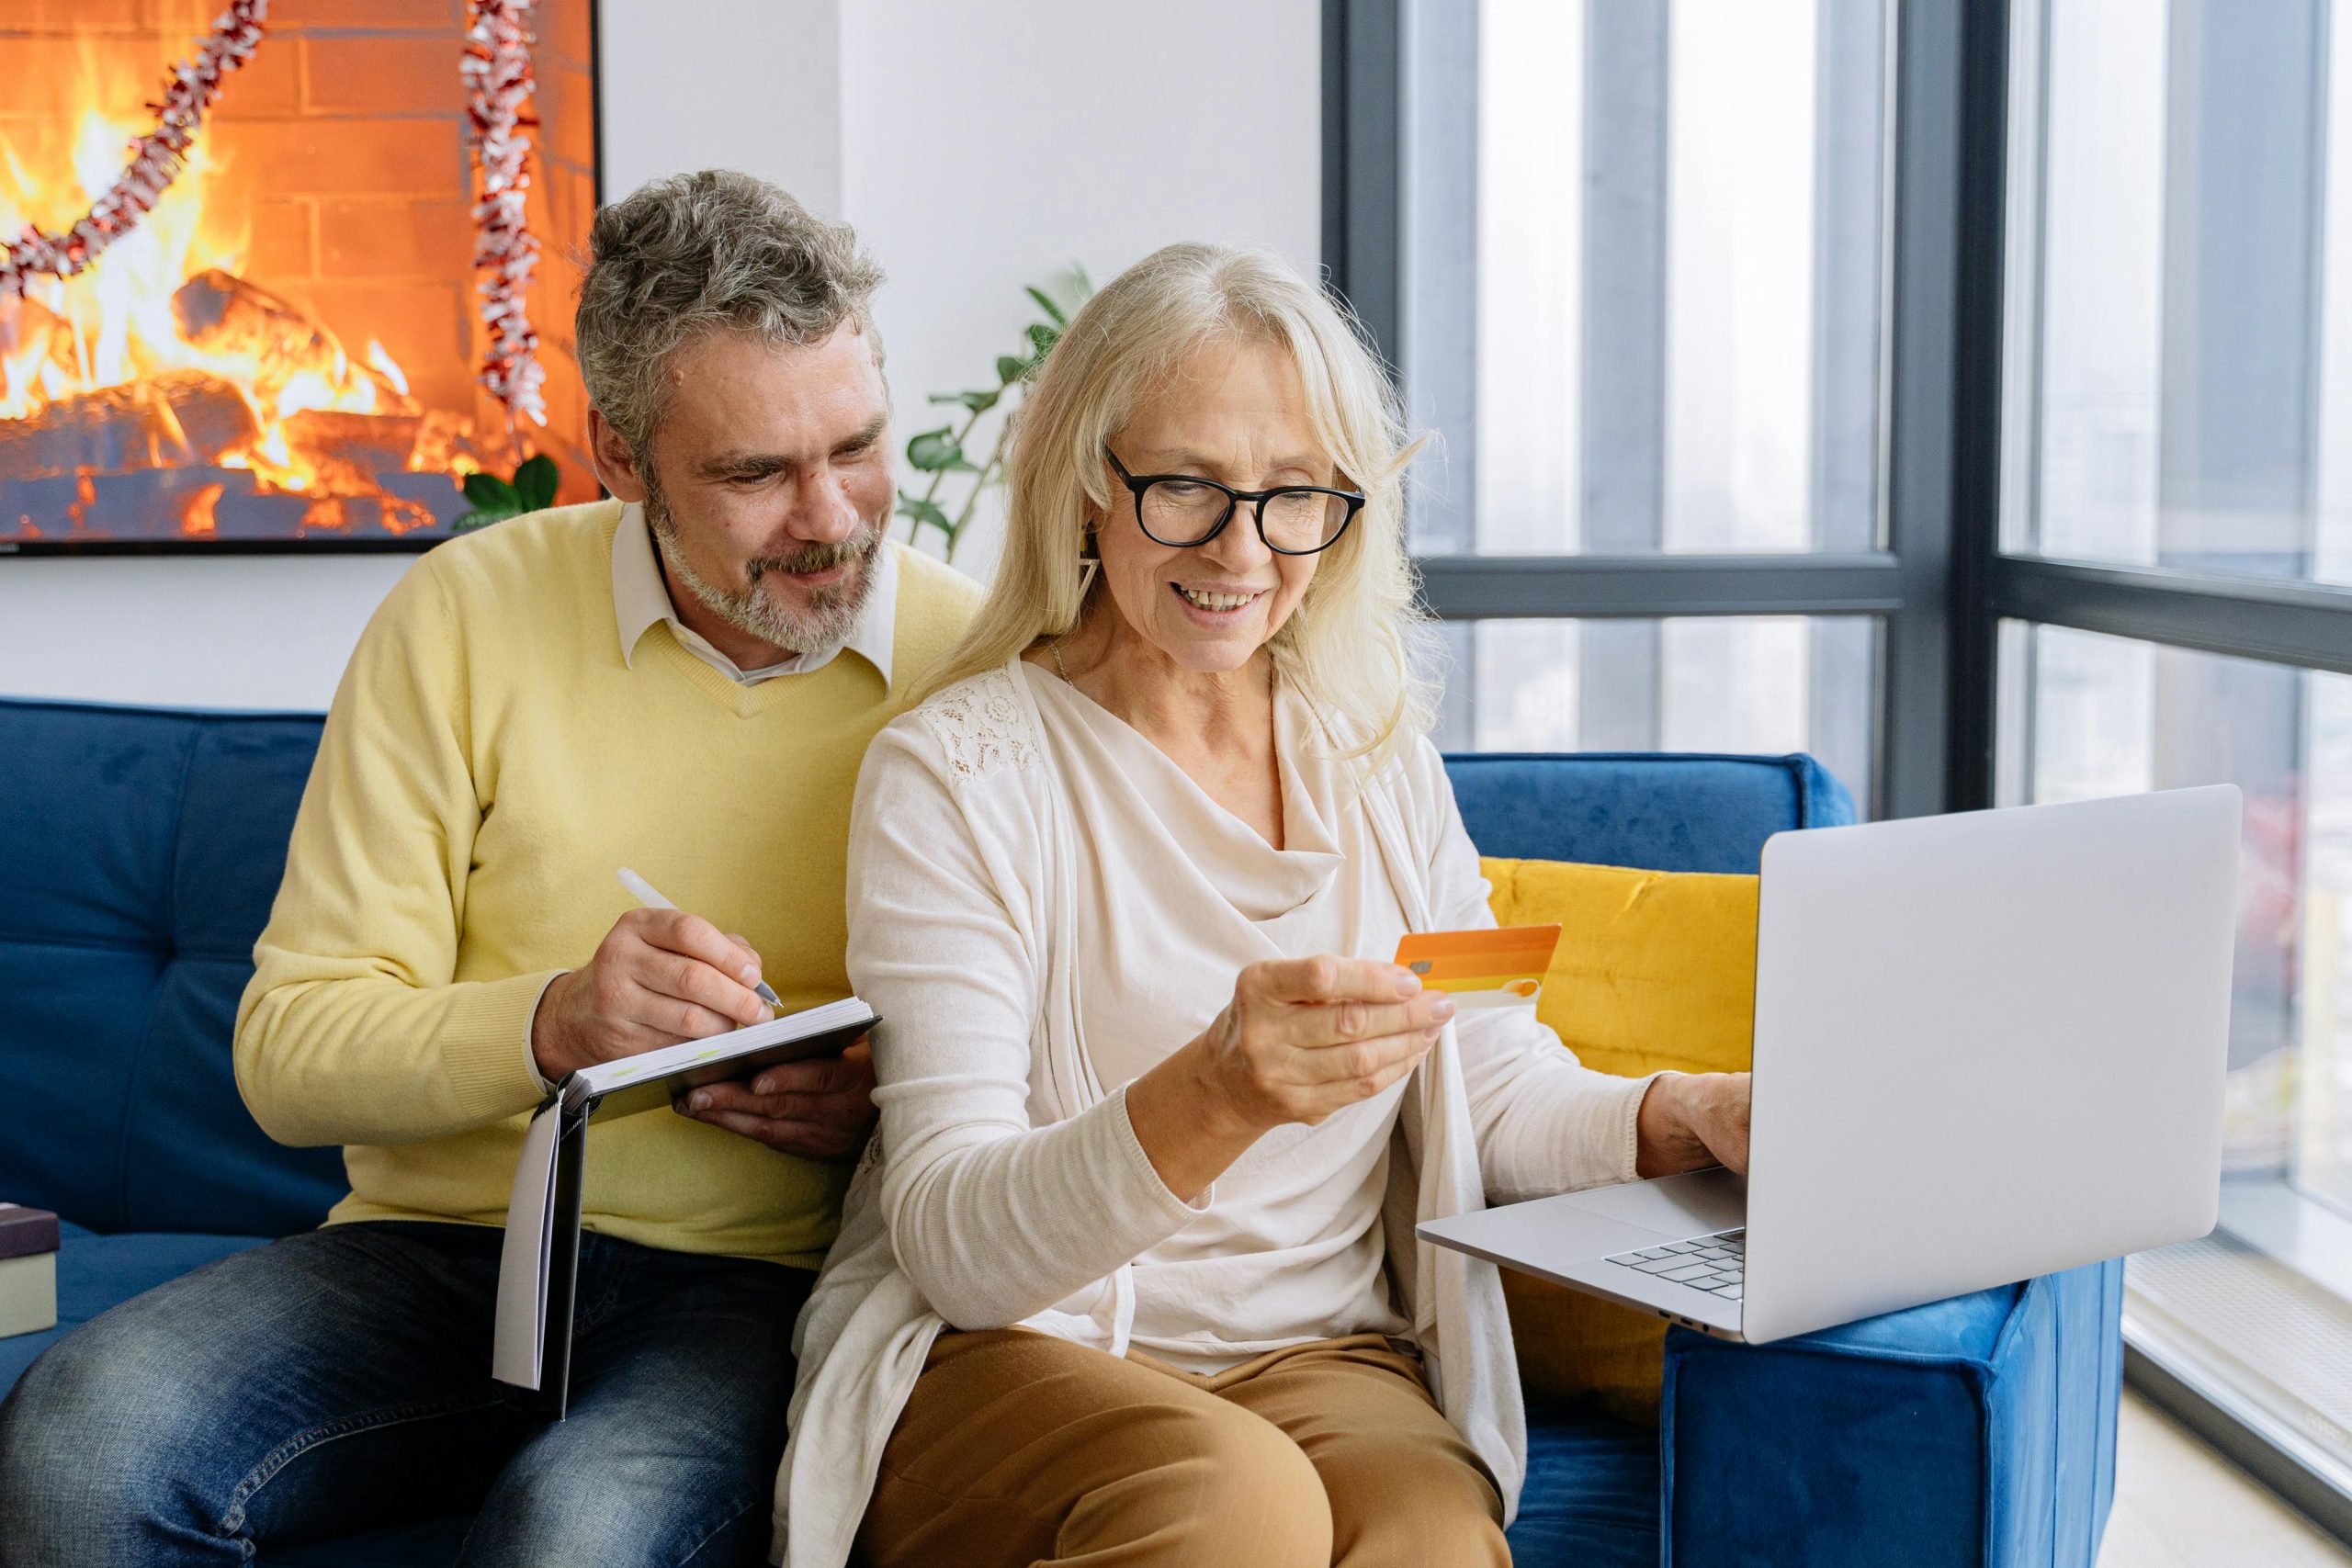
x=537 y=1269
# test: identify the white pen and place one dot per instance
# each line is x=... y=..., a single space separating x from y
x=645 y=893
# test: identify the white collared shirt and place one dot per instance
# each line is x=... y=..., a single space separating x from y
x=641 y=597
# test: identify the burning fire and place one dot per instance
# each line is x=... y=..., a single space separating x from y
x=165 y=336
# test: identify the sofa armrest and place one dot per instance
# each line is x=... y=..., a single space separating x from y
x=1977 y=1432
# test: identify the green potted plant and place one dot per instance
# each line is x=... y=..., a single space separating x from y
x=496 y=500
x=942 y=454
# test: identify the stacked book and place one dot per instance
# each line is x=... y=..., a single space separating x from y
x=27 y=1269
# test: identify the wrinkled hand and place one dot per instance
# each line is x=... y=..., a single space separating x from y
x=1305 y=1037
x=659 y=976
x=1689 y=1119
x=821 y=1108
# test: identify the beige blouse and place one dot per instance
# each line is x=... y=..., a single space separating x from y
x=1177 y=895
x=1038 y=912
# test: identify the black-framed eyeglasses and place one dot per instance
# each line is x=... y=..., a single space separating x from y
x=1185 y=510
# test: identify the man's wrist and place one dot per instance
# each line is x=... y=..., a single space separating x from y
x=549 y=1057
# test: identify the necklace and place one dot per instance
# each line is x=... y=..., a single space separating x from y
x=1054 y=647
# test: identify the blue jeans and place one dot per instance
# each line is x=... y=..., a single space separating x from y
x=339 y=1381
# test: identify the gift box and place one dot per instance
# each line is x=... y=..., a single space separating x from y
x=27 y=1269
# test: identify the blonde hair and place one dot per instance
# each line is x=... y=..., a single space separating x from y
x=1357 y=645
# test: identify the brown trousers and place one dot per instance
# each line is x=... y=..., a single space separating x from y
x=1019 y=1449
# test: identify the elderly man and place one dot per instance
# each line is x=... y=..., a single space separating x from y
x=680 y=681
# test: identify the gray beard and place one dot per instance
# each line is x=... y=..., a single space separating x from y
x=833 y=611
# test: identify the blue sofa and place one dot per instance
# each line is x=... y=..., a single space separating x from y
x=138 y=853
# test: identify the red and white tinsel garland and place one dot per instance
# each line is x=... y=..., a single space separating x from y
x=497 y=69
x=156 y=158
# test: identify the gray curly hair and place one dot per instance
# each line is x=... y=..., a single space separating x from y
x=690 y=254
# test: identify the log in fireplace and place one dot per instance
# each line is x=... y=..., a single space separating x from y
x=285 y=349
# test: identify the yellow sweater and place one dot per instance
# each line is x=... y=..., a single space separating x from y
x=489 y=763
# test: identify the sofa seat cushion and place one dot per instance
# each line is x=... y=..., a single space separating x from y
x=1591 y=1495
x=1655 y=970
x=93 y=1272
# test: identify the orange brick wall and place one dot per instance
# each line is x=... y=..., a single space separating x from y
x=343 y=136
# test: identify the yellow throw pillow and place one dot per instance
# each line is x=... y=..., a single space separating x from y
x=1655 y=970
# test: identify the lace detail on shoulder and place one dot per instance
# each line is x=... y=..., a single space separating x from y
x=981 y=727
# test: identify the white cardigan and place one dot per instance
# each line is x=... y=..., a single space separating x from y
x=1012 y=1180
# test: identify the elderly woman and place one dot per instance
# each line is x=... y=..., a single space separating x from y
x=1128 y=1274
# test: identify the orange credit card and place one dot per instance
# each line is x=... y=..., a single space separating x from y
x=1496 y=968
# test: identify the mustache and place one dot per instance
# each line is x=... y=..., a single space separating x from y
x=815 y=557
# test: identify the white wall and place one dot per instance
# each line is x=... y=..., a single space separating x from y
x=985 y=147
x=229 y=632
x=752 y=85
x=976 y=148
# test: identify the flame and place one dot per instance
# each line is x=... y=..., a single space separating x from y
x=198 y=521
x=116 y=325
x=384 y=365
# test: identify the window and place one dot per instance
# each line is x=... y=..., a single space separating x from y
x=2175 y=455
x=1638 y=266
x=1677 y=274
x=2186 y=269
x=2113 y=716
x=1751 y=683
x=1960 y=392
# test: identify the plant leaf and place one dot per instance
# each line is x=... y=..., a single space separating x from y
x=935 y=450
x=1011 y=368
x=978 y=403
x=535 y=482
x=1043 y=338
x=923 y=510
x=466 y=523
x=491 y=493
x=1045 y=303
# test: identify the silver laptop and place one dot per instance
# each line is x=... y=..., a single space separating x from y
x=1988 y=1046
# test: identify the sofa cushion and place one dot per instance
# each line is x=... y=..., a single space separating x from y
x=1655 y=970
x=1661 y=811
x=93 y=1272
x=138 y=859
x=1591 y=1495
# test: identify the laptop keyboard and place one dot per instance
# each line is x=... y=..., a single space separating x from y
x=1713 y=1263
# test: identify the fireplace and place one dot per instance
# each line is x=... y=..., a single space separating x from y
x=285 y=351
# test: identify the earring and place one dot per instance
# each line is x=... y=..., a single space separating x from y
x=1088 y=563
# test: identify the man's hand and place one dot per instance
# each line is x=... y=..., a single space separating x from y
x=659 y=976
x=1689 y=1119
x=821 y=1108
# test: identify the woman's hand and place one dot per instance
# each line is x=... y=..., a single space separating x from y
x=1302 y=1038
x=1689 y=1119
